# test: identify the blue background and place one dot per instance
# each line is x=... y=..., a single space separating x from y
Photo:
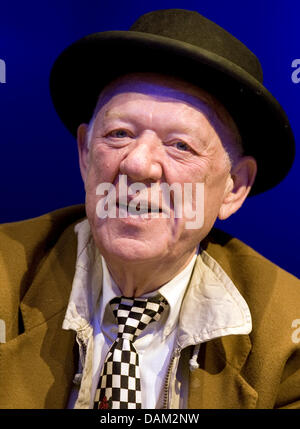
x=39 y=166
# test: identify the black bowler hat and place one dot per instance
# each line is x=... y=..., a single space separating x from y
x=184 y=44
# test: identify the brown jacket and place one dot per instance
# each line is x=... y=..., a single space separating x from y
x=39 y=358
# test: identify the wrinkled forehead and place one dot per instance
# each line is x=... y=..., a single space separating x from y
x=161 y=87
x=166 y=88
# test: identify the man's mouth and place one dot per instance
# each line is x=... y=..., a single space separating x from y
x=140 y=209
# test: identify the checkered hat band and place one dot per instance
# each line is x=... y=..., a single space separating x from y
x=119 y=386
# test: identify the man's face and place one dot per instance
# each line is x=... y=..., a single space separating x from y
x=152 y=133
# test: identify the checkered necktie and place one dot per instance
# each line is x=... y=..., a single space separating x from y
x=120 y=385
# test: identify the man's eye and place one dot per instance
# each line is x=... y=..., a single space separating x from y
x=182 y=146
x=120 y=134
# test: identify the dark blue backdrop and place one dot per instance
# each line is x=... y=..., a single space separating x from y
x=39 y=170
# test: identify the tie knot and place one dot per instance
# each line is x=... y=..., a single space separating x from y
x=134 y=314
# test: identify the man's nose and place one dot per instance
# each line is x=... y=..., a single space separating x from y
x=143 y=161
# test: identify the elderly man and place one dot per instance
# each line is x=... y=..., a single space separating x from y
x=141 y=303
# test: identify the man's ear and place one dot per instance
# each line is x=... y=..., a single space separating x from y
x=83 y=150
x=239 y=185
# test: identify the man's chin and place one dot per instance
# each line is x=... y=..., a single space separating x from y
x=131 y=250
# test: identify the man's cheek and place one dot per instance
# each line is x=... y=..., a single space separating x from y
x=91 y=197
x=106 y=168
x=98 y=172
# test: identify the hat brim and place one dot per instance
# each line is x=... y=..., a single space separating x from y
x=83 y=69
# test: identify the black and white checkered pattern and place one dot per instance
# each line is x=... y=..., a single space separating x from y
x=120 y=385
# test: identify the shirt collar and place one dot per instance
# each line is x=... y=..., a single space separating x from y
x=86 y=287
x=213 y=307
x=174 y=292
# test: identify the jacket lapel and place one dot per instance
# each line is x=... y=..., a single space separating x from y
x=37 y=366
x=219 y=382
